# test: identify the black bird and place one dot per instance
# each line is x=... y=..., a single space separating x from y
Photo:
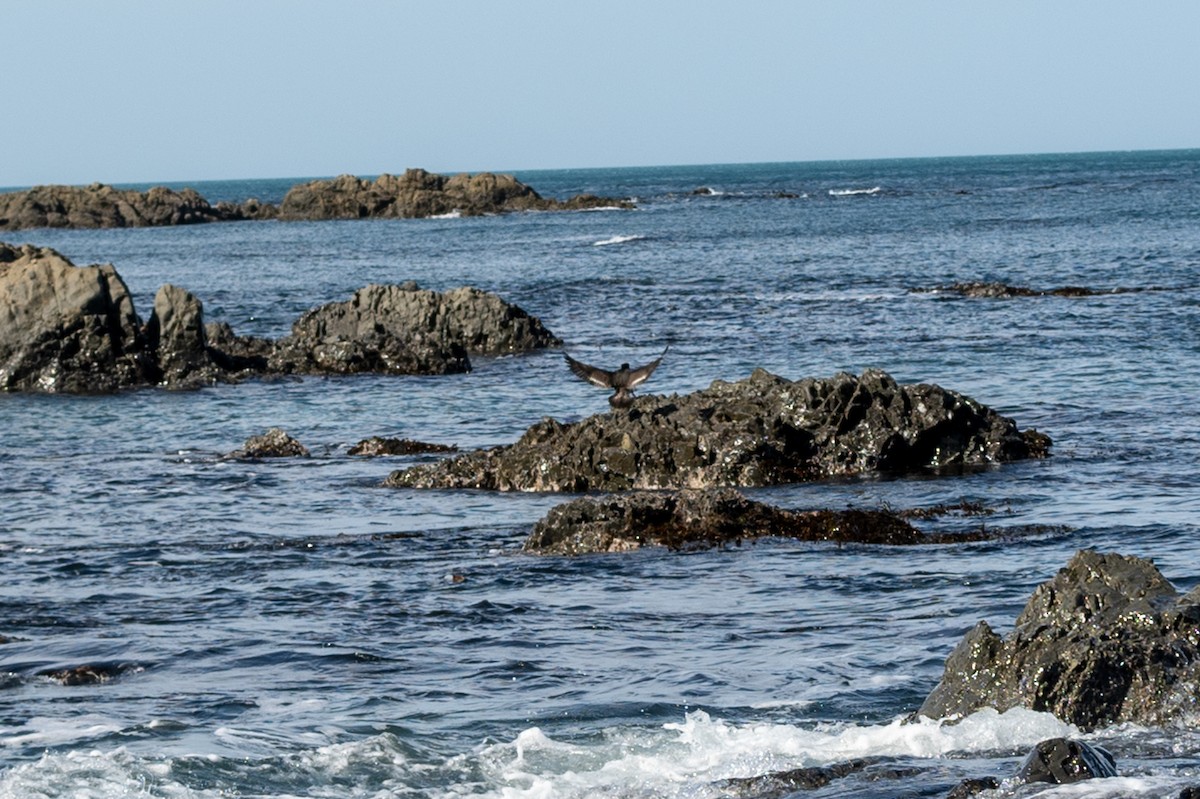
x=623 y=379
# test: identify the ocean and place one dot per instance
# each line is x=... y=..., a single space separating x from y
x=291 y=628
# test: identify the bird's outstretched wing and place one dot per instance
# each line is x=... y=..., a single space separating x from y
x=642 y=373
x=592 y=374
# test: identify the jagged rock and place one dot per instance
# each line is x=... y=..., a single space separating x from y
x=376 y=446
x=176 y=334
x=102 y=206
x=418 y=193
x=1107 y=640
x=403 y=329
x=74 y=329
x=762 y=430
x=699 y=519
x=780 y=784
x=275 y=443
x=971 y=786
x=1063 y=760
x=65 y=328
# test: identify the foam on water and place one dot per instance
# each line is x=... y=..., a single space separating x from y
x=618 y=240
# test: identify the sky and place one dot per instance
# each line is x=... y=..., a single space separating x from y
x=133 y=91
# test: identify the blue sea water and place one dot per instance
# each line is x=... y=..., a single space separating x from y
x=290 y=628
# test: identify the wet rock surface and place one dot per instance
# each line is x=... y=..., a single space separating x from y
x=416 y=193
x=762 y=430
x=275 y=443
x=1107 y=640
x=1063 y=760
x=377 y=446
x=693 y=519
x=1004 y=291
x=74 y=329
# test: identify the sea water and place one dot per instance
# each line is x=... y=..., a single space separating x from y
x=290 y=628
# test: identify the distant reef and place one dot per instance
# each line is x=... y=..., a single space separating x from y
x=414 y=194
x=74 y=329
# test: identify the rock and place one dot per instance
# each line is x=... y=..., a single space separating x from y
x=376 y=446
x=1191 y=792
x=1107 y=640
x=418 y=193
x=102 y=206
x=275 y=443
x=972 y=786
x=74 y=329
x=1062 y=760
x=402 y=329
x=1003 y=290
x=89 y=674
x=762 y=430
x=701 y=519
x=781 y=784
x=176 y=334
x=65 y=328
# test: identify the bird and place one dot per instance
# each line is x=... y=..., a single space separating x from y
x=623 y=380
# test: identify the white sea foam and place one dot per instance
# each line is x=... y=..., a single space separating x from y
x=455 y=214
x=855 y=192
x=40 y=731
x=617 y=240
x=685 y=758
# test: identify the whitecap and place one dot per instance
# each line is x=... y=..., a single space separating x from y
x=855 y=192
x=617 y=240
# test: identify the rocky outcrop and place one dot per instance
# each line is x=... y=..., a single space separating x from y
x=377 y=446
x=102 y=206
x=418 y=193
x=65 y=328
x=275 y=443
x=762 y=430
x=700 y=519
x=1107 y=640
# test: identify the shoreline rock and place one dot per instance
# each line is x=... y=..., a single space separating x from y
x=762 y=430
x=377 y=446
x=275 y=443
x=705 y=518
x=414 y=194
x=1107 y=640
x=996 y=290
x=74 y=329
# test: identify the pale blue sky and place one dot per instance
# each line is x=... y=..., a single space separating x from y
x=163 y=91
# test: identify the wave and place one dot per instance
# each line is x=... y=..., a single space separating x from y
x=617 y=240
x=856 y=192
x=455 y=214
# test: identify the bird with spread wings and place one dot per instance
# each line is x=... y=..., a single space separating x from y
x=622 y=380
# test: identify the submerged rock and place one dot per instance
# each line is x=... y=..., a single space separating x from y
x=1005 y=291
x=65 y=328
x=377 y=446
x=418 y=193
x=700 y=519
x=1063 y=760
x=1107 y=640
x=762 y=430
x=275 y=443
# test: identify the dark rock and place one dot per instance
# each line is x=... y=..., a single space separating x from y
x=763 y=430
x=418 y=193
x=89 y=674
x=176 y=335
x=74 y=329
x=102 y=206
x=971 y=786
x=376 y=446
x=275 y=443
x=1107 y=640
x=1005 y=291
x=781 y=783
x=65 y=328
x=1062 y=760
x=703 y=191
x=699 y=519
x=1190 y=793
